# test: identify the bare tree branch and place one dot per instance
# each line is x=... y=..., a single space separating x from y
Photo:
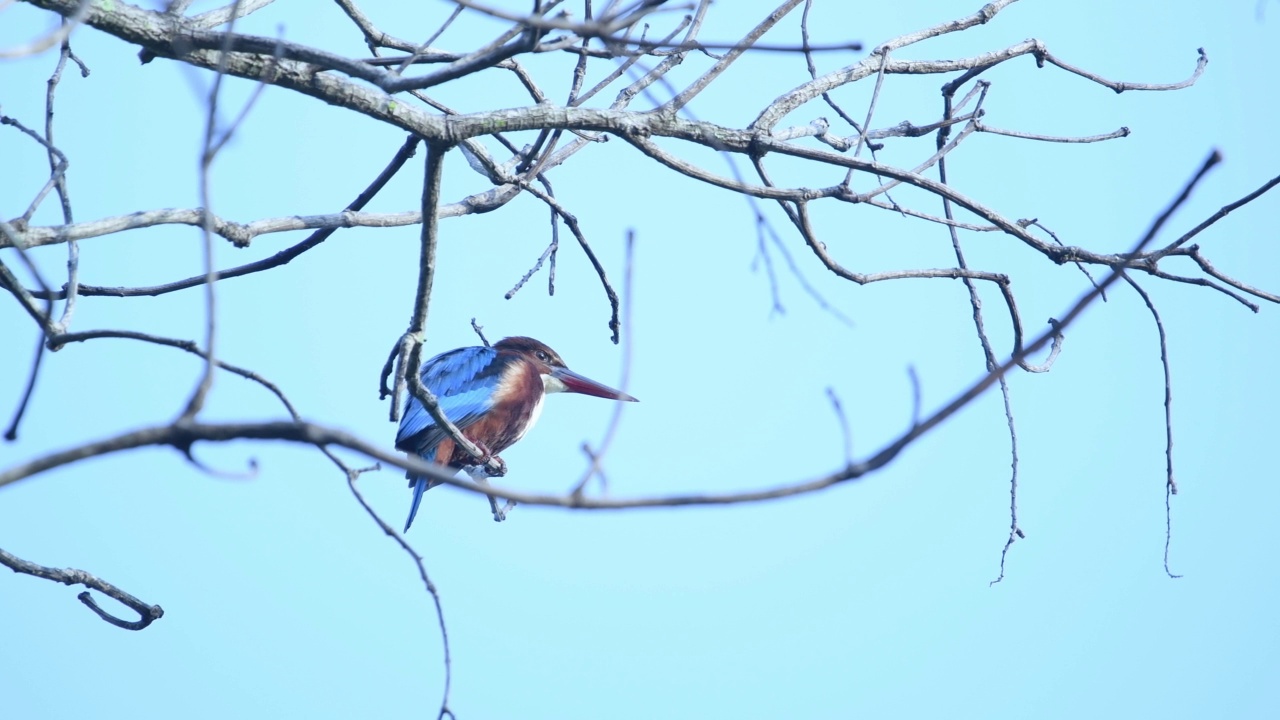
x=147 y=614
x=983 y=127
x=1223 y=212
x=182 y=435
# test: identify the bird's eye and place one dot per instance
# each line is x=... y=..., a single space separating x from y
x=541 y=356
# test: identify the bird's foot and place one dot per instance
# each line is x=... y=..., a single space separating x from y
x=485 y=456
x=502 y=468
x=485 y=452
x=479 y=474
x=501 y=514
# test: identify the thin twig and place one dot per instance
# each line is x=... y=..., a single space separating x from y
x=596 y=456
x=406 y=151
x=674 y=105
x=58 y=174
x=1209 y=269
x=571 y=222
x=1080 y=266
x=479 y=330
x=1171 y=485
x=1122 y=132
x=59 y=341
x=846 y=435
x=207 y=154
x=11 y=433
x=871 y=106
x=431 y=588
x=1222 y=212
x=989 y=356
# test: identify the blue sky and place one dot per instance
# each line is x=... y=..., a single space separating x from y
x=282 y=598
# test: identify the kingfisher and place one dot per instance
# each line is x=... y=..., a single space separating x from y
x=494 y=395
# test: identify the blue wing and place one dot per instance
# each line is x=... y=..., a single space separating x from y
x=464 y=381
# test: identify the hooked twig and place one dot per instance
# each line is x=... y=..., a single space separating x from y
x=147 y=614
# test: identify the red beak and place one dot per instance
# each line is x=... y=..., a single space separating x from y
x=573 y=382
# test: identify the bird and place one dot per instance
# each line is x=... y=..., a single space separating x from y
x=494 y=395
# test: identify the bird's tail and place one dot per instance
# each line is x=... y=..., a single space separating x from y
x=420 y=485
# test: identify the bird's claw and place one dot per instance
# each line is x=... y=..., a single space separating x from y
x=485 y=453
x=502 y=468
x=501 y=514
x=483 y=461
x=480 y=475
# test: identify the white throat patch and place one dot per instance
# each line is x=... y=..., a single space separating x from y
x=552 y=384
x=533 y=417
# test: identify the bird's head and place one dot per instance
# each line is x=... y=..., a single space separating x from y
x=555 y=376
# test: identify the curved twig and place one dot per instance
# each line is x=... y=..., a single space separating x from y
x=147 y=614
